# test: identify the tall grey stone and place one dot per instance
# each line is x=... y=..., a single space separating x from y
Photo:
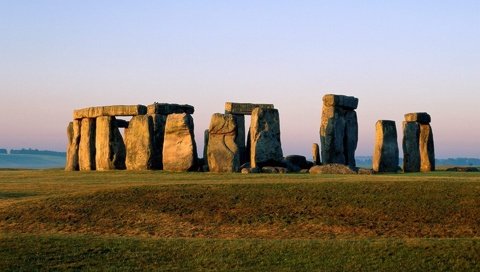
x=266 y=147
x=339 y=129
x=240 y=137
x=179 y=147
x=159 y=122
x=206 y=135
x=427 y=150
x=139 y=143
x=86 y=153
x=109 y=145
x=223 y=153
x=385 y=155
x=316 y=154
x=73 y=134
x=411 y=147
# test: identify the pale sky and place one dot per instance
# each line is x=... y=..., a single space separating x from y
x=395 y=56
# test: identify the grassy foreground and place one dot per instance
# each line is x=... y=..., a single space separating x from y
x=201 y=221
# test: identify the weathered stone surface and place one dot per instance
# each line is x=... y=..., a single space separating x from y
x=109 y=145
x=463 y=169
x=420 y=117
x=86 y=153
x=73 y=134
x=139 y=143
x=385 y=154
x=223 y=153
x=206 y=135
x=332 y=169
x=179 y=147
x=116 y=110
x=411 y=147
x=159 y=122
x=274 y=170
x=339 y=131
x=266 y=147
x=298 y=160
x=426 y=146
x=166 y=108
x=244 y=108
x=316 y=154
x=342 y=101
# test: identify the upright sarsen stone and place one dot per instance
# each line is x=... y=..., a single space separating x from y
x=139 y=143
x=179 y=148
x=73 y=134
x=316 y=154
x=339 y=129
x=411 y=147
x=385 y=155
x=223 y=153
x=109 y=145
x=159 y=122
x=266 y=147
x=86 y=154
x=427 y=152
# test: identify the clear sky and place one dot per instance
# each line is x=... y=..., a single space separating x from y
x=395 y=56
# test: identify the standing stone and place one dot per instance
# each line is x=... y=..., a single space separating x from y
x=223 y=154
x=139 y=143
x=73 y=134
x=159 y=122
x=316 y=154
x=86 y=155
x=339 y=129
x=266 y=148
x=385 y=155
x=109 y=146
x=240 y=137
x=411 y=147
x=179 y=148
x=427 y=152
x=206 y=135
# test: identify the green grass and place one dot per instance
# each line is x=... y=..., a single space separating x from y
x=55 y=220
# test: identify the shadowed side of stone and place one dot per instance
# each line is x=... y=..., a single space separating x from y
x=159 y=122
x=73 y=134
x=109 y=145
x=266 y=147
x=420 y=117
x=139 y=143
x=316 y=154
x=117 y=110
x=223 y=154
x=411 y=147
x=86 y=154
x=244 y=108
x=385 y=155
x=166 y=108
x=179 y=148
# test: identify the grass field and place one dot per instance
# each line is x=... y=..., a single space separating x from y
x=56 y=220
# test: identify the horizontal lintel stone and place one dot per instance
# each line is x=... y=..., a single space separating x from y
x=166 y=108
x=343 y=101
x=420 y=117
x=116 y=110
x=244 y=108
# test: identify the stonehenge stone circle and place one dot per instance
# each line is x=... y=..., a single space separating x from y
x=339 y=129
x=266 y=147
x=179 y=148
x=385 y=155
x=139 y=143
x=109 y=145
x=73 y=133
x=418 y=144
x=86 y=152
x=223 y=154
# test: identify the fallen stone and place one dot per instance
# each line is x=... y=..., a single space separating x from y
x=411 y=147
x=223 y=152
x=342 y=101
x=463 y=169
x=385 y=155
x=139 y=143
x=179 y=147
x=297 y=160
x=166 y=108
x=426 y=146
x=305 y=171
x=246 y=171
x=420 y=117
x=316 y=154
x=117 y=110
x=86 y=152
x=109 y=146
x=269 y=170
x=266 y=147
x=244 y=108
x=332 y=169
x=365 y=171
x=73 y=134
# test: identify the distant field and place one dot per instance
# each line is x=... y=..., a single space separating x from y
x=27 y=161
x=201 y=221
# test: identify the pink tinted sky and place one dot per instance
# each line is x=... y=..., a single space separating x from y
x=396 y=58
